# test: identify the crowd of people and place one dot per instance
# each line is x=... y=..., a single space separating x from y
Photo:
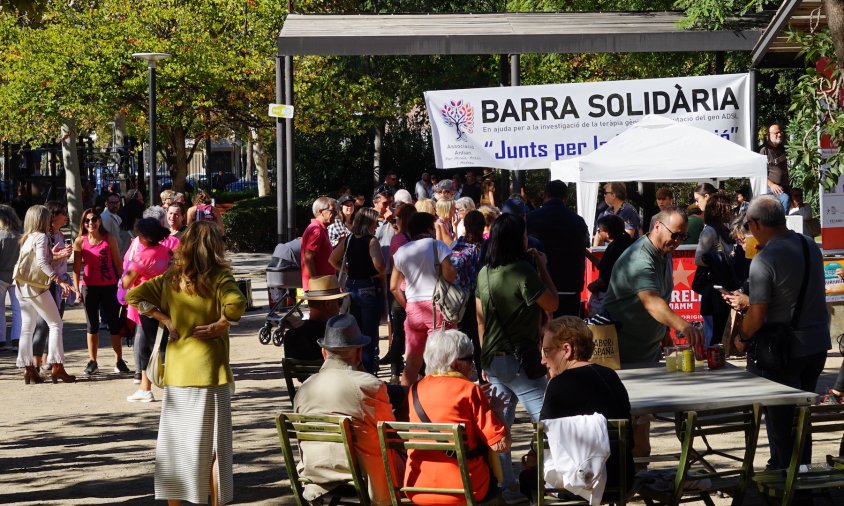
x=142 y=274
x=523 y=269
x=520 y=337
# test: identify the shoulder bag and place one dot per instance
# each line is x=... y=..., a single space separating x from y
x=155 y=367
x=449 y=298
x=28 y=272
x=529 y=357
x=343 y=276
x=771 y=344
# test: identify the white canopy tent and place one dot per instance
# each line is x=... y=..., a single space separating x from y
x=659 y=149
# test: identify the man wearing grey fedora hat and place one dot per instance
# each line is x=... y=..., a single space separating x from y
x=342 y=387
x=324 y=298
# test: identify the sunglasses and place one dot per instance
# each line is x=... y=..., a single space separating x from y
x=92 y=219
x=676 y=236
x=467 y=358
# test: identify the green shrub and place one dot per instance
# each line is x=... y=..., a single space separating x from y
x=251 y=224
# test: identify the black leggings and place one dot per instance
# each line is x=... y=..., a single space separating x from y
x=92 y=297
x=144 y=341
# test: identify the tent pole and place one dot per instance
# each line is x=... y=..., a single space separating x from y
x=517 y=177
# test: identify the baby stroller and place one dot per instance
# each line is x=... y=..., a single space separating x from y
x=284 y=276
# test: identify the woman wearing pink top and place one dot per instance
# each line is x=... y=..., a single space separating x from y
x=97 y=285
x=147 y=258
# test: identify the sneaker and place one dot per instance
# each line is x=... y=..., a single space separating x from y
x=141 y=396
x=831 y=398
x=91 y=368
x=121 y=368
x=137 y=379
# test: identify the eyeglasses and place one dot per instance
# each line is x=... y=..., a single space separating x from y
x=675 y=236
x=329 y=209
x=92 y=219
x=746 y=225
x=549 y=350
x=113 y=202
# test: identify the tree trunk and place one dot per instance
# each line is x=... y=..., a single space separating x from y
x=259 y=155
x=72 y=177
x=834 y=10
x=118 y=140
x=250 y=160
x=177 y=140
x=377 y=145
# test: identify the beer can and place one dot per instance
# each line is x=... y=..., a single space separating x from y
x=715 y=356
x=687 y=360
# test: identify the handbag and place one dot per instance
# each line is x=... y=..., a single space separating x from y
x=28 y=272
x=121 y=292
x=702 y=280
x=342 y=277
x=449 y=298
x=155 y=367
x=529 y=357
x=772 y=342
x=606 y=350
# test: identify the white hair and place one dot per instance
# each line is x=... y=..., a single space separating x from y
x=465 y=203
x=322 y=203
x=158 y=213
x=443 y=348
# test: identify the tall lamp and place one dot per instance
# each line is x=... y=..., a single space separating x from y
x=151 y=59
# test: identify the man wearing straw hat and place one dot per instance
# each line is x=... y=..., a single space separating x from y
x=324 y=298
x=342 y=387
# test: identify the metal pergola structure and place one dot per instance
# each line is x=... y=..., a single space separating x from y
x=467 y=34
x=773 y=50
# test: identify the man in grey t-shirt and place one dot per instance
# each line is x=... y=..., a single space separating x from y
x=776 y=274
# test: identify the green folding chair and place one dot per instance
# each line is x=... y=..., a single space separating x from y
x=333 y=429
x=447 y=437
x=697 y=478
x=782 y=485
x=617 y=494
x=300 y=370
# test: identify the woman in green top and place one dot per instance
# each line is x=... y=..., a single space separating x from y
x=511 y=296
x=196 y=300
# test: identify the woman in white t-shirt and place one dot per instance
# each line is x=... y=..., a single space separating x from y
x=415 y=264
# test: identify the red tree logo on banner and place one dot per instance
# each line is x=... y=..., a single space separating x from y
x=458 y=114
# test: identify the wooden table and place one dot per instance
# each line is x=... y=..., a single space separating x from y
x=653 y=390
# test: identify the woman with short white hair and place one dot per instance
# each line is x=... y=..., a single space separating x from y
x=446 y=395
x=462 y=206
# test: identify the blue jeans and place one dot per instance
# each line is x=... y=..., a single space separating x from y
x=803 y=374
x=784 y=199
x=367 y=305
x=505 y=374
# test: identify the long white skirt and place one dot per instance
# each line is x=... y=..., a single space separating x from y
x=195 y=426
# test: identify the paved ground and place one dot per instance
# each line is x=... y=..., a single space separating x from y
x=83 y=443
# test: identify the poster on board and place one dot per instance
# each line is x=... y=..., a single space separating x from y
x=529 y=127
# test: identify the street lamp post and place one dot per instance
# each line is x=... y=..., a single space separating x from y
x=151 y=59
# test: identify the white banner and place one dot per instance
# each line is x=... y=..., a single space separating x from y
x=528 y=127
